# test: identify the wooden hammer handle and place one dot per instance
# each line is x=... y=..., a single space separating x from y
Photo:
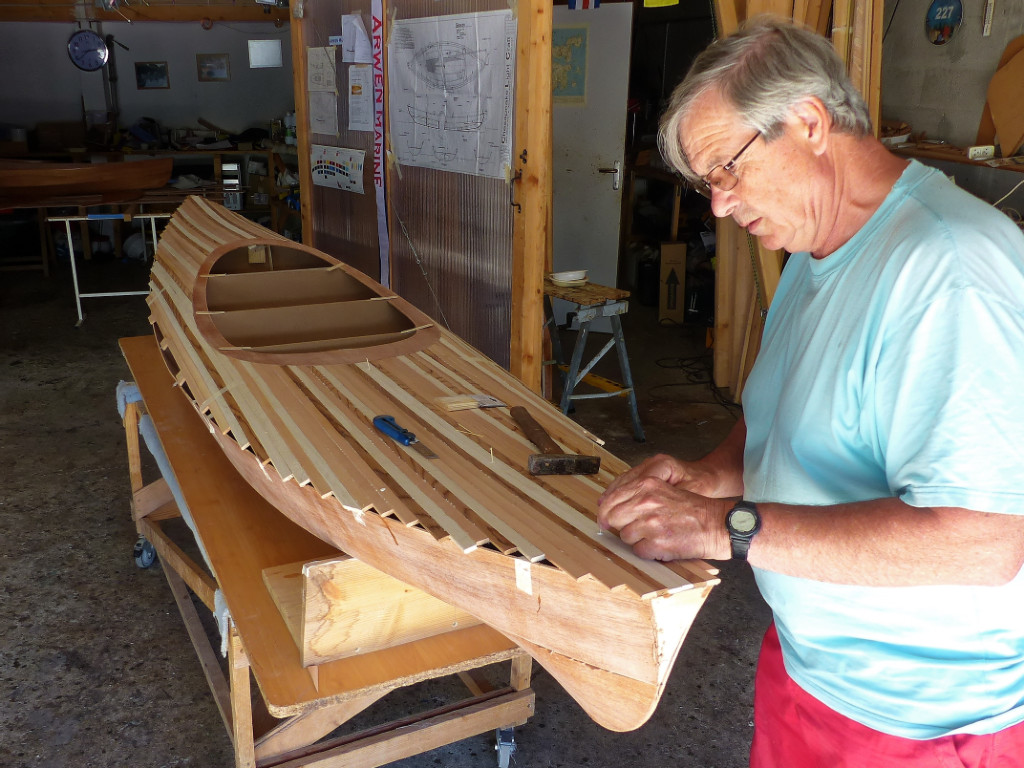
x=533 y=430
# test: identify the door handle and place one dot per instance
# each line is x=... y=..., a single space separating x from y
x=617 y=174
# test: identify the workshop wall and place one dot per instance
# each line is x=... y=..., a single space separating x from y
x=941 y=89
x=38 y=82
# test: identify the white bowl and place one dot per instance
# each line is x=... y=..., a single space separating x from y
x=571 y=276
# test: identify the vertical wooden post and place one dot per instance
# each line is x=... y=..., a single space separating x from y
x=531 y=187
x=241 y=701
x=298 y=34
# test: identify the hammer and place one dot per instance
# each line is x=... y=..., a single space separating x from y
x=552 y=461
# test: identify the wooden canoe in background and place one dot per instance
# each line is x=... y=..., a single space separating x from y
x=30 y=183
x=288 y=355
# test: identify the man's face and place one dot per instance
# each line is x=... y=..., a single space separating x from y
x=772 y=198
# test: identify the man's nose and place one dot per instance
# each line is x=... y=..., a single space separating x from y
x=723 y=203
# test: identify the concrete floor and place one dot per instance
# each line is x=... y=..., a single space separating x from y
x=95 y=666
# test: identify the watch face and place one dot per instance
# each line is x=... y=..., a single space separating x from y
x=87 y=50
x=742 y=520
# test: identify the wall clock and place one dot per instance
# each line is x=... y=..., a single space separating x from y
x=87 y=50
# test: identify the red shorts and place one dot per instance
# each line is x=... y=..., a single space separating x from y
x=792 y=729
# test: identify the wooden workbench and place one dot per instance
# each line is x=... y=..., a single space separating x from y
x=242 y=536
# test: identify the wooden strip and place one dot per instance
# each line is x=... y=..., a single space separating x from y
x=174 y=557
x=199 y=377
x=564 y=546
x=278 y=420
x=462 y=480
x=207 y=657
x=585 y=525
x=420 y=734
x=728 y=14
x=463 y=532
x=483 y=375
x=266 y=445
x=241 y=702
x=318 y=389
x=348 y=479
x=305 y=729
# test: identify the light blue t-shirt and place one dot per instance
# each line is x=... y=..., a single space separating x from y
x=895 y=367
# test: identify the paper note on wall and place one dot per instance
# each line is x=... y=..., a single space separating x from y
x=323 y=112
x=337 y=167
x=360 y=97
x=321 y=70
x=355 y=43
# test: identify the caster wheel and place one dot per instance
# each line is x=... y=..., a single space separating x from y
x=144 y=553
x=505 y=746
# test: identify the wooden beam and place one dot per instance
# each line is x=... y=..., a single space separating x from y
x=153 y=10
x=302 y=137
x=531 y=185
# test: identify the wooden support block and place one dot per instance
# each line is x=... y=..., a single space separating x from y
x=342 y=607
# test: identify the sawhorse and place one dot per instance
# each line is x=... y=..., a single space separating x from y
x=592 y=302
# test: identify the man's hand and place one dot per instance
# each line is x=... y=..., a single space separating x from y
x=655 y=511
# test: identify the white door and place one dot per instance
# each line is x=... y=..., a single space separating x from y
x=590 y=78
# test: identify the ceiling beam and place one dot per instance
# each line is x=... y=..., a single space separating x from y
x=142 y=10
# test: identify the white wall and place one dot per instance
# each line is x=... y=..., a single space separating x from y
x=38 y=82
x=940 y=89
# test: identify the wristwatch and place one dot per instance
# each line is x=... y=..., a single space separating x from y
x=743 y=522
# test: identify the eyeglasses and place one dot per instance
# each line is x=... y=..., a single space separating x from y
x=722 y=176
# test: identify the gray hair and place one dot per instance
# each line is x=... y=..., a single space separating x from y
x=762 y=70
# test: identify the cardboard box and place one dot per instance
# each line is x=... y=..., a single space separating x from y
x=672 y=294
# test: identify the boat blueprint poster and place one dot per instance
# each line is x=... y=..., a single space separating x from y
x=451 y=80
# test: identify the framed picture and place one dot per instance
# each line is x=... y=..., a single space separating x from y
x=213 y=67
x=151 y=74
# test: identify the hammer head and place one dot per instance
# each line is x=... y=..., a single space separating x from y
x=563 y=464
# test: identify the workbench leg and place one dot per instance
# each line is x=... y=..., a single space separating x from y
x=522 y=670
x=627 y=378
x=241 y=702
x=574 y=366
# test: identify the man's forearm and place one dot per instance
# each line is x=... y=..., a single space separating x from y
x=889 y=543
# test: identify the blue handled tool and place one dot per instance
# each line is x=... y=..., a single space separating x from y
x=392 y=429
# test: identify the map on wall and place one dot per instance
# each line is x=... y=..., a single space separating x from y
x=451 y=84
x=569 y=65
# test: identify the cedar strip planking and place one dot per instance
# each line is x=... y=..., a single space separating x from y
x=489 y=382
x=274 y=452
x=587 y=526
x=380 y=448
x=200 y=377
x=462 y=477
x=360 y=399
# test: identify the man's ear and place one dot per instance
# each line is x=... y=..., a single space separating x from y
x=812 y=123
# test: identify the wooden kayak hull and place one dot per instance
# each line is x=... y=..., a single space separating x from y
x=469 y=526
x=29 y=184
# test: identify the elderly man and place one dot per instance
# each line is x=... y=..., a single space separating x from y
x=876 y=481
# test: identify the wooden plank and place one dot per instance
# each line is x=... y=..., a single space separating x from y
x=341 y=607
x=151 y=498
x=728 y=14
x=463 y=531
x=415 y=736
x=302 y=730
x=725 y=303
x=198 y=580
x=368 y=404
x=531 y=236
x=197 y=634
x=241 y=706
